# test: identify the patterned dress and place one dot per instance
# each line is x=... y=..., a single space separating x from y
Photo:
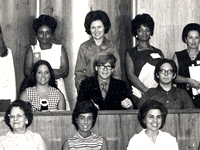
x=27 y=141
x=34 y=98
x=93 y=142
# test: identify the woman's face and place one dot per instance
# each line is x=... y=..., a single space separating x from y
x=193 y=39
x=42 y=75
x=97 y=29
x=84 y=122
x=18 y=119
x=143 y=33
x=44 y=34
x=153 y=120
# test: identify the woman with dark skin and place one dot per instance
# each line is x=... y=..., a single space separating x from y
x=55 y=54
x=143 y=52
x=188 y=57
x=97 y=24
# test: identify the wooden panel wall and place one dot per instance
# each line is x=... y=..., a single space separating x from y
x=170 y=17
x=116 y=126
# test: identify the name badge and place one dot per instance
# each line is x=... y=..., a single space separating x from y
x=155 y=55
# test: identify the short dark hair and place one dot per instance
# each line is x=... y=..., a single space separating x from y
x=97 y=15
x=148 y=105
x=160 y=63
x=44 y=20
x=142 y=19
x=105 y=57
x=189 y=27
x=82 y=107
x=25 y=106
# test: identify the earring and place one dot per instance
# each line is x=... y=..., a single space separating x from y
x=26 y=122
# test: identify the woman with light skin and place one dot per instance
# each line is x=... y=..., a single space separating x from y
x=142 y=53
x=44 y=28
x=188 y=57
x=84 y=118
x=41 y=87
x=18 y=118
x=97 y=24
x=152 y=116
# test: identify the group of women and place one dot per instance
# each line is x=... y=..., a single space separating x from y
x=46 y=65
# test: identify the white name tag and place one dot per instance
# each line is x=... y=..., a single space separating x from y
x=155 y=55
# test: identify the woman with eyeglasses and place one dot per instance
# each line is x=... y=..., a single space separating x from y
x=97 y=24
x=169 y=95
x=142 y=56
x=187 y=58
x=18 y=118
x=103 y=90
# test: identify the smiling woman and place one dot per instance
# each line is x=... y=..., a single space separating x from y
x=152 y=116
x=84 y=118
x=41 y=89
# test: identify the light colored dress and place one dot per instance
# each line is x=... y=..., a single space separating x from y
x=141 y=141
x=93 y=142
x=7 y=77
x=53 y=56
x=27 y=141
x=35 y=100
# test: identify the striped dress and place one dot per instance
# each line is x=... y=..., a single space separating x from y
x=34 y=98
x=93 y=142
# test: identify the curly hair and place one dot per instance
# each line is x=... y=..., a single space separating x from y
x=25 y=106
x=148 y=105
x=44 y=20
x=142 y=19
x=97 y=15
x=189 y=27
x=82 y=107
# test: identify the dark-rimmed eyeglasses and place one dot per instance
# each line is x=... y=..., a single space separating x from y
x=105 y=67
x=169 y=71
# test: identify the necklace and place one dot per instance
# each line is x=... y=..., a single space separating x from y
x=193 y=55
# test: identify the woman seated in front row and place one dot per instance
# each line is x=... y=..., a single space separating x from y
x=152 y=116
x=84 y=118
x=18 y=118
x=41 y=89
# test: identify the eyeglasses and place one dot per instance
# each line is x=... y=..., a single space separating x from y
x=169 y=71
x=105 y=67
x=18 y=116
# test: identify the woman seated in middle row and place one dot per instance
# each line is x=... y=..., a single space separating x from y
x=41 y=89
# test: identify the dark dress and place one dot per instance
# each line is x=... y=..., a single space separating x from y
x=184 y=62
x=140 y=58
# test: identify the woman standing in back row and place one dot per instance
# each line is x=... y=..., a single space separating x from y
x=55 y=54
x=97 y=24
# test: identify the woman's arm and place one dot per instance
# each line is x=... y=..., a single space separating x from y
x=105 y=145
x=181 y=79
x=28 y=62
x=65 y=146
x=23 y=96
x=61 y=103
x=64 y=67
x=129 y=66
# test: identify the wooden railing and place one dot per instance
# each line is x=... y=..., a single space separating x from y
x=116 y=126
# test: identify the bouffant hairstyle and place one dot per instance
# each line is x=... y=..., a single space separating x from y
x=148 y=105
x=44 y=20
x=160 y=63
x=97 y=15
x=83 y=107
x=189 y=27
x=142 y=19
x=25 y=106
x=104 y=58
